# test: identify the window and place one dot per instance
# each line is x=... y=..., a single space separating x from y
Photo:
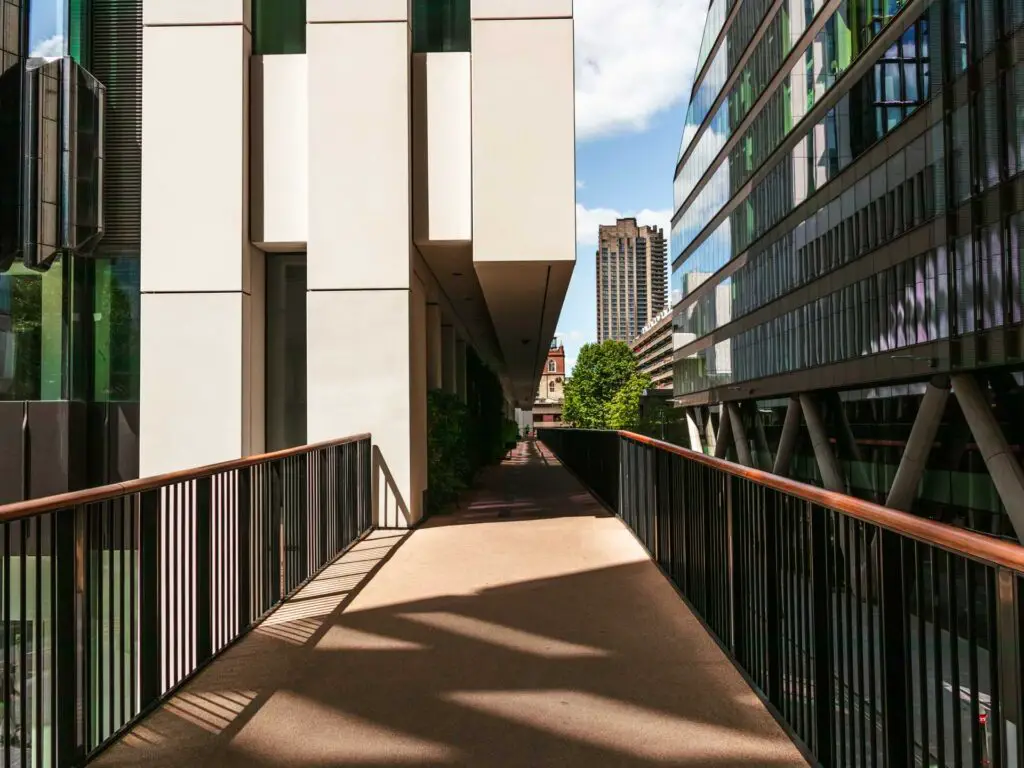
x=551 y=366
x=551 y=386
x=440 y=26
x=279 y=27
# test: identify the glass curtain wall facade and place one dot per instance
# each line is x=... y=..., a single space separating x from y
x=848 y=200
x=69 y=274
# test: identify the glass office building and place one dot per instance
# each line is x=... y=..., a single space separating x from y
x=70 y=188
x=848 y=219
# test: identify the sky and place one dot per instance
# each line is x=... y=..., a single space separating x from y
x=635 y=63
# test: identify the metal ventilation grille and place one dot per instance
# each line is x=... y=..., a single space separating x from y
x=116 y=61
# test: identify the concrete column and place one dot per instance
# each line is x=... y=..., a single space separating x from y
x=1006 y=472
x=724 y=436
x=693 y=431
x=763 y=458
x=919 y=445
x=419 y=361
x=460 y=369
x=363 y=348
x=858 y=467
x=828 y=465
x=202 y=287
x=790 y=435
x=739 y=433
x=448 y=358
x=434 y=345
x=709 y=431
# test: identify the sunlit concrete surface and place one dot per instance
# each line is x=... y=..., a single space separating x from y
x=528 y=628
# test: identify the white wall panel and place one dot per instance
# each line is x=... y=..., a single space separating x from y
x=195 y=136
x=521 y=9
x=524 y=185
x=443 y=138
x=359 y=206
x=280 y=152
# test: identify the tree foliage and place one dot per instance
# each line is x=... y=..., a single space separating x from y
x=624 y=408
x=605 y=388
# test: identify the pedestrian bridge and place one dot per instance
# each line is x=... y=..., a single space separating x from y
x=249 y=614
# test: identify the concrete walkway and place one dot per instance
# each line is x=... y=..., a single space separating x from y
x=528 y=629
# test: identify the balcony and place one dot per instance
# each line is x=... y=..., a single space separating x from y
x=599 y=599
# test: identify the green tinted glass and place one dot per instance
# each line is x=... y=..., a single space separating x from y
x=279 y=26
x=440 y=26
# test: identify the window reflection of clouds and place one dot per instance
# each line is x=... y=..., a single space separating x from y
x=47 y=28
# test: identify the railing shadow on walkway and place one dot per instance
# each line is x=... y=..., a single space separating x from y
x=522 y=643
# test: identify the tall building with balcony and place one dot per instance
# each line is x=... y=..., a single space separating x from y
x=846 y=250
x=653 y=350
x=632 y=278
x=234 y=226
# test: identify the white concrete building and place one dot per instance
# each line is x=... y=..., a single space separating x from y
x=339 y=199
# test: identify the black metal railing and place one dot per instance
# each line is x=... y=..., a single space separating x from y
x=114 y=596
x=877 y=638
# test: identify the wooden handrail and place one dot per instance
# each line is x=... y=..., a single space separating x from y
x=23 y=509
x=948 y=537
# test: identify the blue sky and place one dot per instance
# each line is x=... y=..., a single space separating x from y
x=634 y=67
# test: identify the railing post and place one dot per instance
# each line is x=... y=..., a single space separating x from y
x=244 y=547
x=204 y=585
x=1008 y=629
x=730 y=561
x=773 y=598
x=365 y=455
x=150 y=613
x=68 y=593
x=276 y=543
x=824 y=681
x=895 y=650
x=323 y=514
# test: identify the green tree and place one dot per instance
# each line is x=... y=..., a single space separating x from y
x=601 y=371
x=624 y=408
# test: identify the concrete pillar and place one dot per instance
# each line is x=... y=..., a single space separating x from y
x=790 y=435
x=202 y=286
x=693 y=431
x=709 y=431
x=1004 y=468
x=858 y=467
x=739 y=433
x=919 y=445
x=460 y=369
x=763 y=457
x=434 y=343
x=724 y=436
x=419 y=361
x=828 y=465
x=448 y=358
x=363 y=347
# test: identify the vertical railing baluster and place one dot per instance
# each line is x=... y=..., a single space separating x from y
x=150 y=613
x=203 y=583
x=68 y=548
x=823 y=678
x=773 y=598
x=895 y=650
x=243 y=547
x=1008 y=633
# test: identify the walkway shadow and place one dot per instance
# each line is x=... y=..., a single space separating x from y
x=530 y=484
x=547 y=640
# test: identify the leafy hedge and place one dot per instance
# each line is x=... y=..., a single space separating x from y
x=464 y=437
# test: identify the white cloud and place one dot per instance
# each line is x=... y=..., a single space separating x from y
x=50 y=48
x=580 y=184
x=634 y=58
x=588 y=220
x=570 y=335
